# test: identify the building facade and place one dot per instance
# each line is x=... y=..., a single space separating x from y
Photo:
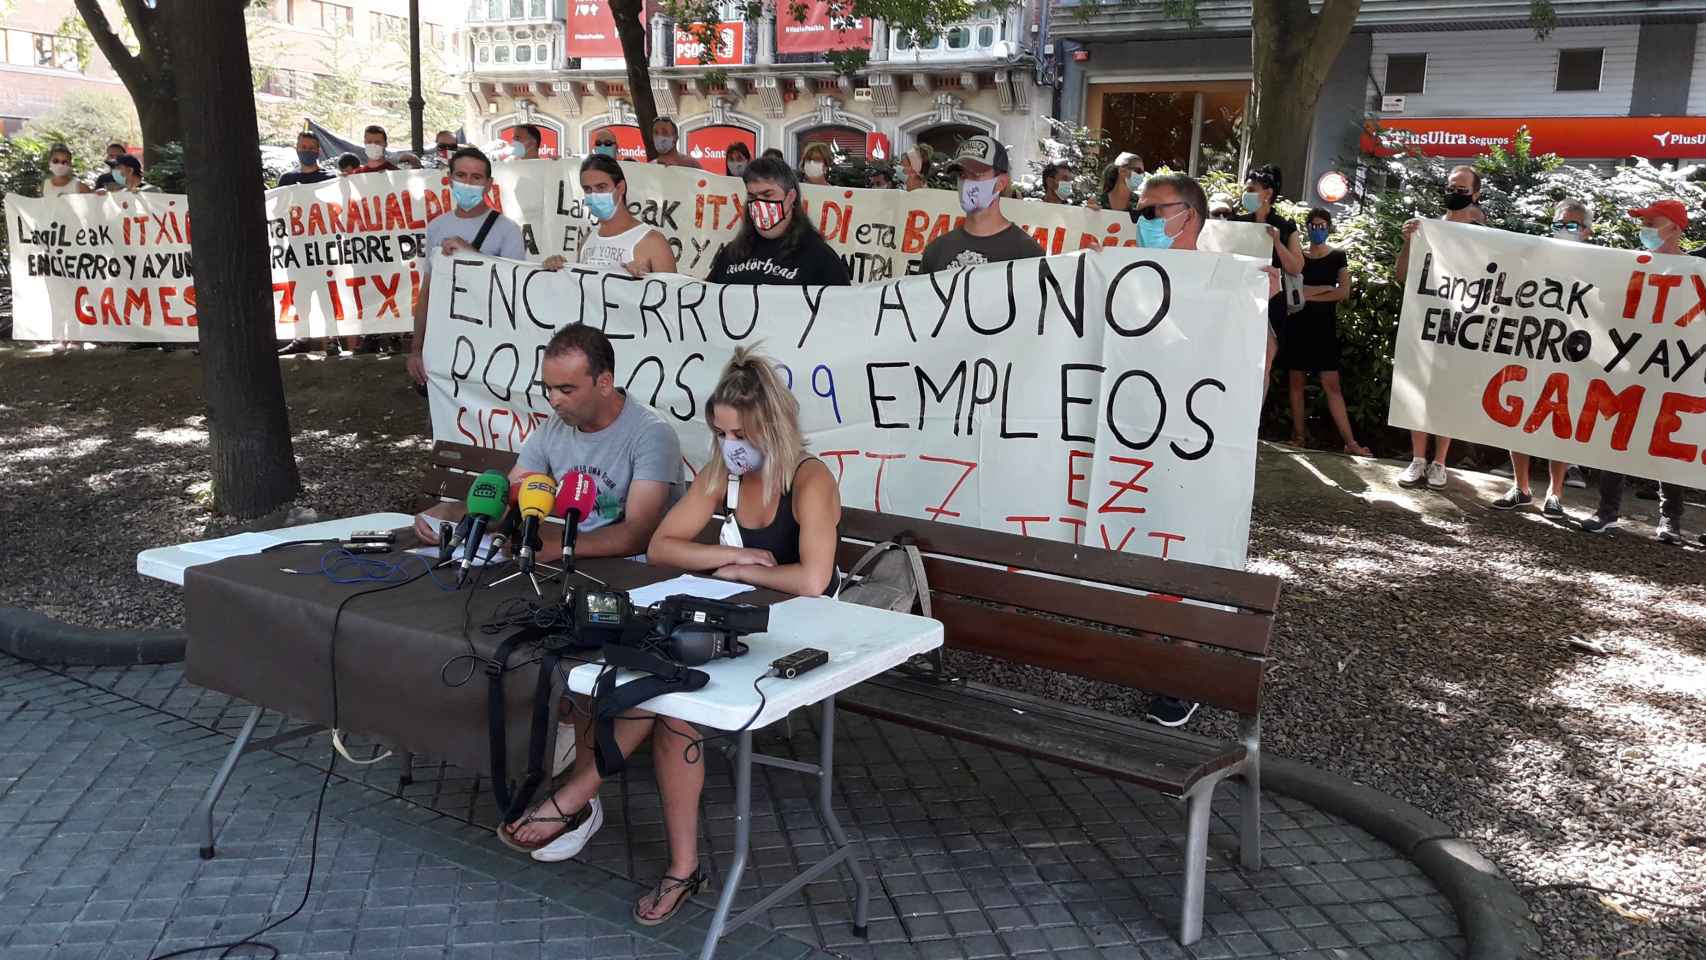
x=558 y=64
x=1614 y=79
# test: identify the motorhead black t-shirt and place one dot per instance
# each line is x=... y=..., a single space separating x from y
x=810 y=263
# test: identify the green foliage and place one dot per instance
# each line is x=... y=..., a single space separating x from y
x=167 y=173
x=1085 y=149
x=23 y=167
x=86 y=121
x=74 y=27
x=1183 y=11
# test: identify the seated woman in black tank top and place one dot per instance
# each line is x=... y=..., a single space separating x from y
x=787 y=505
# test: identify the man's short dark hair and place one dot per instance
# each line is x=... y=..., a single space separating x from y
x=604 y=165
x=129 y=161
x=532 y=130
x=1189 y=191
x=1320 y=213
x=376 y=128
x=116 y=145
x=589 y=342
x=347 y=160
x=674 y=130
x=1056 y=169
x=444 y=133
x=474 y=152
x=1474 y=175
x=311 y=135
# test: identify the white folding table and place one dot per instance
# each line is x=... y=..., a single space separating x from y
x=169 y=563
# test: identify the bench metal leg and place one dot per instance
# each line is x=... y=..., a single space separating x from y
x=214 y=789
x=407 y=775
x=1250 y=831
x=1197 y=804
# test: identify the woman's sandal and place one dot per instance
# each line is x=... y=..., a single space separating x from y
x=664 y=888
x=533 y=816
x=1358 y=450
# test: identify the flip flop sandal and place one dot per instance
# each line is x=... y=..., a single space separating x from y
x=533 y=816
x=664 y=888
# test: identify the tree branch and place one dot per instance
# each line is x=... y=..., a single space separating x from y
x=124 y=63
x=146 y=21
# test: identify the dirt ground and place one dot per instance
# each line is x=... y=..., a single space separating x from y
x=1422 y=648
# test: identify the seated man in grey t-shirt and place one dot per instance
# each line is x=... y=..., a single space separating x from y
x=631 y=453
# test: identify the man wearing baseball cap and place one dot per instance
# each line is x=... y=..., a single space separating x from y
x=1662 y=224
x=986 y=236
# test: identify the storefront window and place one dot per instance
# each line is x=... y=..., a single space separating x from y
x=1193 y=130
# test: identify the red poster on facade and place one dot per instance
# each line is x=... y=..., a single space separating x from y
x=877 y=147
x=592 y=30
x=1586 y=137
x=709 y=146
x=816 y=34
x=629 y=146
x=690 y=43
x=547 y=141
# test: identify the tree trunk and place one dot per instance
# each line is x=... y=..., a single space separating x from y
x=254 y=468
x=626 y=13
x=161 y=124
x=147 y=73
x=1292 y=51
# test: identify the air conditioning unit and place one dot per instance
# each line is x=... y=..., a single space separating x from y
x=1391 y=104
x=863 y=94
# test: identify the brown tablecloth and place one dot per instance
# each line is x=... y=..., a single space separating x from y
x=264 y=636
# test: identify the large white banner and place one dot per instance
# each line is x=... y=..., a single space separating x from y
x=1560 y=350
x=1108 y=398
x=345 y=254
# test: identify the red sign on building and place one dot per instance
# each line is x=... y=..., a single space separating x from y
x=1583 y=137
x=816 y=34
x=547 y=141
x=629 y=146
x=877 y=147
x=709 y=146
x=691 y=41
x=592 y=29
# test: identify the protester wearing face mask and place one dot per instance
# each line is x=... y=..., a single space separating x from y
x=1122 y=183
x=604 y=144
x=777 y=243
x=1662 y=226
x=1462 y=199
x=444 y=144
x=814 y=164
x=1309 y=339
x=620 y=241
x=61 y=181
x=1057 y=183
x=1261 y=189
x=915 y=165
x=373 y=143
x=736 y=159
x=880 y=178
x=472 y=226
x=107 y=180
x=308 y=162
x=986 y=235
x=127 y=177
x=667 y=139
x=528 y=139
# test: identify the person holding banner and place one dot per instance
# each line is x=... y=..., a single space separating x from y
x=916 y=164
x=109 y=179
x=621 y=241
x=1462 y=205
x=127 y=177
x=61 y=182
x=1662 y=226
x=374 y=141
x=1122 y=182
x=308 y=160
x=815 y=162
x=777 y=243
x=665 y=136
x=1057 y=182
x=986 y=235
x=472 y=226
x=1261 y=189
x=1572 y=222
x=528 y=138
x=736 y=159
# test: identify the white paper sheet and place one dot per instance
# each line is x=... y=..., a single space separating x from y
x=703 y=587
x=481 y=559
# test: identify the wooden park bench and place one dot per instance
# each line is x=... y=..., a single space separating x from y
x=1102 y=615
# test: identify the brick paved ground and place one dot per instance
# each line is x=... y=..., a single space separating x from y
x=975 y=854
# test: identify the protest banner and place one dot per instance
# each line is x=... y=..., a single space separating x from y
x=1108 y=399
x=345 y=252
x=1560 y=350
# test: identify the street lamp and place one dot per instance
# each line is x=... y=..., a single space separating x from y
x=417 y=103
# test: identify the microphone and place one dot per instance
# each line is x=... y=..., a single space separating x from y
x=446 y=542
x=536 y=501
x=577 y=495
x=486 y=497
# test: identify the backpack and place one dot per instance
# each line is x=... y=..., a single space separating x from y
x=890 y=576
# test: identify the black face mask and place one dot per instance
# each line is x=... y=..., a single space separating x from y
x=1457 y=201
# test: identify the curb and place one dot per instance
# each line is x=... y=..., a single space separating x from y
x=1494 y=917
x=31 y=636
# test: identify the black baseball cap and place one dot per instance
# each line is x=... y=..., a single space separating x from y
x=986 y=151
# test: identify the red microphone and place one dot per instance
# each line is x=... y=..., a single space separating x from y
x=577 y=495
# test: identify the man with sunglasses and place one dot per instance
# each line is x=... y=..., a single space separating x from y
x=604 y=143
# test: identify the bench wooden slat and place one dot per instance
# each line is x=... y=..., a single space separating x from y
x=461 y=456
x=1193 y=580
x=1152 y=757
x=1231 y=630
x=1140 y=661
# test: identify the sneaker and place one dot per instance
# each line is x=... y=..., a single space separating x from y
x=1512 y=499
x=1573 y=477
x=1670 y=530
x=1412 y=475
x=1170 y=711
x=1552 y=508
x=574 y=839
x=1437 y=476
x=565 y=753
x=1599 y=523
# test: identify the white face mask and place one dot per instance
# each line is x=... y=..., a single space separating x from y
x=741 y=457
x=374 y=150
x=812 y=168
x=59 y=169
x=664 y=144
x=977 y=195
